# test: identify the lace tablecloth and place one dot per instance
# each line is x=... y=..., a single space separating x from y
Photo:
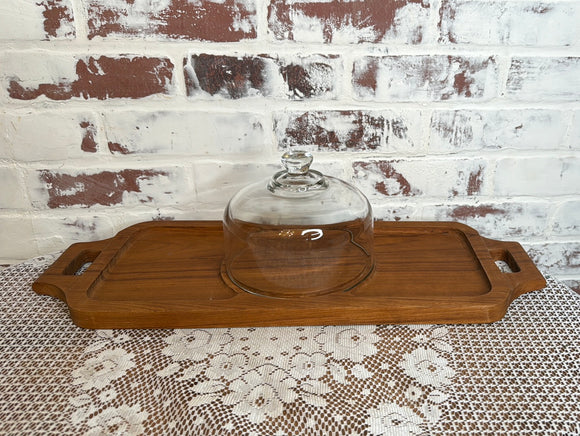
x=517 y=376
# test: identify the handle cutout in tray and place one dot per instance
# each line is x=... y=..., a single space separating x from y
x=505 y=261
x=81 y=263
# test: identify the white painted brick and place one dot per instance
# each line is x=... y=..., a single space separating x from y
x=510 y=22
x=5 y=146
x=13 y=194
x=456 y=131
x=495 y=220
x=567 y=218
x=540 y=176
x=572 y=283
x=394 y=212
x=179 y=132
x=25 y=20
x=234 y=137
x=446 y=178
x=35 y=136
x=411 y=24
x=556 y=257
x=216 y=182
x=17 y=238
x=21 y=20
x=58 y=231
x=544 y=78
x=122 y=218
x=32 y=68
x=575 y=132
x=332 y=165
x=405 y=131
x=423 y=78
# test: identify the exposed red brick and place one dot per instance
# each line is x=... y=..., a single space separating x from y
x=105 y=77
x=226 y=74
x=105 y=188
x=447 y=14
x=88 y=143
x=335 y=15
x=469 y=184
x=358 y=130
x=103 y=21
x=366 y=75
x=55 y=13
x=392 y=183
x=116 y=148
x=367 y=131
x=225 y=21
x=310 y=76
x=479 y=211
x=237 y=77
x=462 y=84
x=304 y=81
x=475 y=181
x=60 y=91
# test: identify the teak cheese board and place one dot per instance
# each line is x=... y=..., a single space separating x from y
x=168 y=275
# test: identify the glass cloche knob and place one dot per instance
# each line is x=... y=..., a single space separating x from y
x=297 y=179
x=297 y=162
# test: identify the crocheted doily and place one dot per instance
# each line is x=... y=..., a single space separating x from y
x=517 y=376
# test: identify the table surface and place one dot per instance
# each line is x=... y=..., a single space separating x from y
x=518 y=376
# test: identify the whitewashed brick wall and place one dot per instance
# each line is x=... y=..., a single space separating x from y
x=120 y=111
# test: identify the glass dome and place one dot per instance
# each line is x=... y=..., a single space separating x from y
x=298 y=234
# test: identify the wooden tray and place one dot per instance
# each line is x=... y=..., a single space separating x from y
x=167 y=275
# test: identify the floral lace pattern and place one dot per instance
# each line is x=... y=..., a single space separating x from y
x=344 y=380
x=254 y=379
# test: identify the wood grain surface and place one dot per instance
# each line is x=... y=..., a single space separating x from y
x=169 y=275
